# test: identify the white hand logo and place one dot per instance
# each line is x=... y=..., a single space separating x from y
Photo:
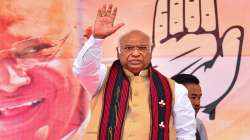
x=190 y=30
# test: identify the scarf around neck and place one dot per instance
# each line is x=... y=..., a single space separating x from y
x=116 y=100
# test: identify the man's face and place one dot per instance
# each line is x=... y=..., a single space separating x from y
x=194 y=94
x=39 y=97
x=134 y=52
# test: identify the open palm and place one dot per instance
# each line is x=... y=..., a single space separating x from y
x=104 y=23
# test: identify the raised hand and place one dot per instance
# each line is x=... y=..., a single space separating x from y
x=104 y=23
x=190 y=31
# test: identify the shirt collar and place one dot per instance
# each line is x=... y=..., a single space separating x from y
x=143 y=73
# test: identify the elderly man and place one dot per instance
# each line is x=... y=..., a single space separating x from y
x=130 y=99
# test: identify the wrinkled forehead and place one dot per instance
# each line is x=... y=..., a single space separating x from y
x=135 y=38
x=22 y=20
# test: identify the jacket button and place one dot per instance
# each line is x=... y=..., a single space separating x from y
x=162 y=103
x=162 y=124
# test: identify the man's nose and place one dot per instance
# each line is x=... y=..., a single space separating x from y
x=197 y=103
x=136 y=52
x=12 y=78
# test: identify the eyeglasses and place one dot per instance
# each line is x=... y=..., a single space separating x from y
x=30 y=52
x=132 y=48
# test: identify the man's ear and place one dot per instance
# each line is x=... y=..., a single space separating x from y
x=117 y=52
x=152 y=47
x=151 y=51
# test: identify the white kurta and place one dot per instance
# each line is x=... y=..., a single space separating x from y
x=201 y=129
